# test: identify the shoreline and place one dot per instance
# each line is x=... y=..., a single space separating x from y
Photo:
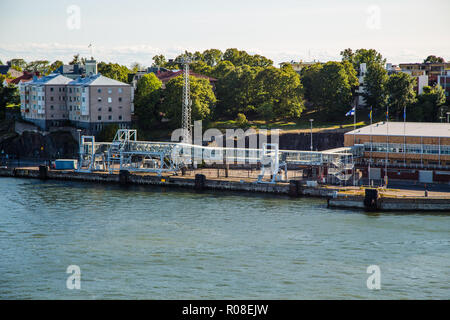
x=335 y=196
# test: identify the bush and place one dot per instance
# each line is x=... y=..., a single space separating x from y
x=241 y=120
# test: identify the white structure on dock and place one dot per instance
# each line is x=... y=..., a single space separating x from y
x=126 y=152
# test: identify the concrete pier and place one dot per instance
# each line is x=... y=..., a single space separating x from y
x=335 y=198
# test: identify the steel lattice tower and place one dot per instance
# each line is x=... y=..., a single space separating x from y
x=186 y=123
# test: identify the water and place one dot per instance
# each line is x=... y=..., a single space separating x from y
x=154 y=243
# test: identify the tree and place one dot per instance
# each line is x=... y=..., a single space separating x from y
x=136 y=66
x=8 y=95
x=147 y=100
x=77 y=60
x=107 y=133
x=282 y=88
x=375 y=87
x=241 y=120
x=212 y=57
x=114 y=71
x=367 y=56
x=434 y=59
x=401 y=93
x=18 y=64
x=329 y=87
x=429 y=105
x=159 y=61
x=202 y=97
x=55 y=65
x=41 y=66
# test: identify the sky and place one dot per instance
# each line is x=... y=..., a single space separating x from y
x=282 y=30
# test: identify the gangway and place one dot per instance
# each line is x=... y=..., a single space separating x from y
x=125 y=152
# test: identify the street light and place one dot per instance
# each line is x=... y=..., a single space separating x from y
x=311 y=120
x=448 y=113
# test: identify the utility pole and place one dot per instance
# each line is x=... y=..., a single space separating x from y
x=311 y=120
x=186 y=123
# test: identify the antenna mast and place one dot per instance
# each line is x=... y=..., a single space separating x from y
x=186 y=123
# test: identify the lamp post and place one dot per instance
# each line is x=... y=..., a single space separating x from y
x=448 y=114
x=311 y=120
x=79 y=147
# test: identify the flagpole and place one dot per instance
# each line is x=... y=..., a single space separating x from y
x=404 y=136
x=387 y=146
x=354 y=143
x=370 y=161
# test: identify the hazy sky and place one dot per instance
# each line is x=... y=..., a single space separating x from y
x=136 y=30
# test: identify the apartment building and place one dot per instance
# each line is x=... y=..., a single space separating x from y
x=43 y=100
x=96 y=101
x=89 y=103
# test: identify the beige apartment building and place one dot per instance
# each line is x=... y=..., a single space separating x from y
x=89 y=103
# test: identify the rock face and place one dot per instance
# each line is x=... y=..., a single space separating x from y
x=34 y=144
x=302 y=141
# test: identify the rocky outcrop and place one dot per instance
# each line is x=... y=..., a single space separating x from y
x=30 y=144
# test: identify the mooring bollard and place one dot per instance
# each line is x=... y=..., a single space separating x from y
x=124 y=176
x=200 y=181
x=371 y=199
x=43 y=170
x=294 y=188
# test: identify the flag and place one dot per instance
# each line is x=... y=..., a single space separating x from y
x=351 y=112
x=370 y=114
x=387 y=115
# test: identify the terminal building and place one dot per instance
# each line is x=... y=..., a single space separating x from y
x=418 y=151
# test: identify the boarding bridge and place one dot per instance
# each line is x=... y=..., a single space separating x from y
x=128 y=153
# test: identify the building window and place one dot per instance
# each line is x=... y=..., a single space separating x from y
x=119 y=90
x=51 y=89
x=99 y=90
x=70 y=90
x=99 y=99
x=51 y=107
x=110 y=109
x=51 y=98
x=120 y=117
x=99 y=117
x=120 y=99
x=109 y=100
x=99 y=109
x=109 y=117
x=110 y=91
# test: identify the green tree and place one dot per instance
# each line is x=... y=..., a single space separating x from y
x=107 y=133
x=375 y=87
x=147 y=100
x=212 y=57
x=159 y=61
x=310 y=77
x=41 y=66
x=136 y=66
x=367 y=56
x=202 y=97
x=282 y=88
x=434 y=59
x=241 y=120
x=429 y=105
x=8 y=95
x=18 y=64
x=55 y=65
x=401 y=93
x=114 y=71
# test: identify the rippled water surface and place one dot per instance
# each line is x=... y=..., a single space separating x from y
x=154 y=243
